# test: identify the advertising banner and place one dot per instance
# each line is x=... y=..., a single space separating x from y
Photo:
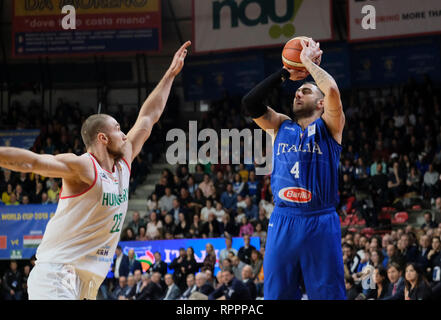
x=23 y=138
x=104 y=27
x=220 y=25
x=394 y=18
x=22 y=228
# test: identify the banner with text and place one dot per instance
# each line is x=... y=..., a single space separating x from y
x=169 y=249
x=104 y=27
x=235 y=24
x=23 y=138
x=22 y=228
x=394 y=18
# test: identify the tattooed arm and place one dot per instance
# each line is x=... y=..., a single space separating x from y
x=333 y=110
x=67 y=165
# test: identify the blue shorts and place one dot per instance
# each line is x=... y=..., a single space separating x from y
x=307 y=244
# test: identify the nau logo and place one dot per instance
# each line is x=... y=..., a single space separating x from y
x=298 y=195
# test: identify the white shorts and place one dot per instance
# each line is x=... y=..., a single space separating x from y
x=56 y=281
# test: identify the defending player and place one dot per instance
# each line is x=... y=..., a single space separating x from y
x=304 y=229
x=80 y=240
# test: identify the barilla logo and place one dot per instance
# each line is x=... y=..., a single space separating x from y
x=298 y=195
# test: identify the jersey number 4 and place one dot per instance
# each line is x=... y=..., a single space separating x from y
x=295 y=170
x=116 y=226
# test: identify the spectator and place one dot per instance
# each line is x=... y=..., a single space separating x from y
x=129 y=290
x=169 y=226
x=416 y=285
x=210 y=257
x=229 y=199
x=256 y=262
x=220 y=183
x=248 y=280
x=177 y=208
x=142 y=291
x=350 y=258
x=253 y=187
x=393 y=255
x=211 y=228
x=228 y=248
x=381 y=284
x=244 y=253
x=190 y=264
x=152 y=203
x=428 y=221
x=239 y=185
x=205 y=212
x=210 y=279
x=36 y=196
x=190 y=288
x=351 y=289
x=413 y=180
x=246 y=228
x=127 y=235
x=260 y=233
x=423 y=252
x=196 y=228
x=231 y=289
x=133 y=263
x=237 y=266
x=120 y=264
x=53 y=192
x=151 y=290
x=178 y=265
x=160 y=187
x=136 y=223
x=192 y=186
x=251 y=210
x=228 y=226
x=202 y=285
x=395 y=290
x=12 y=282
x=207 y=186
x=172 y=292
x=198 y=202
x=182 y=228
x=166 y=201
x=12 y=200
x=219 y=211
x=226 y=263
x=142 y=236
x=159 y=265
x=138 y=284
x=262 y=219
x=431 y=177
x=118 y=291
x=154 y=227
x=243 y=172
x=409 y=252
x=24 y=281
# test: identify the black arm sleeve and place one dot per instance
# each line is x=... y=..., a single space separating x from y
x=252 y=102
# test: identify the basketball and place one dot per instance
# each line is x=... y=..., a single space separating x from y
x=291 y=54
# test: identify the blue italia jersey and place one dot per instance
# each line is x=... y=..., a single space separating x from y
x=305 y=167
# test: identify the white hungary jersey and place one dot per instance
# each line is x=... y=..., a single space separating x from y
x=85 y=229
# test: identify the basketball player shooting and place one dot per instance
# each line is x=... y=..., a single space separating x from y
x=304 y=229
x=79 y=242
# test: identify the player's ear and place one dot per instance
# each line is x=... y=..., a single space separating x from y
x=321 y=104
x=102 y=137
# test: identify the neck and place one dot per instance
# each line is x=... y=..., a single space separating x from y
x=306 y=121
x=105 y=160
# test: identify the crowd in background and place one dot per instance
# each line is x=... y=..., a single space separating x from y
x=391 y=157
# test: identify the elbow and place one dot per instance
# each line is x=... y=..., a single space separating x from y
x=333 y=91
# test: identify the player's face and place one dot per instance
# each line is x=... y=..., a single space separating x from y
x=117 y=139
x=306 y=101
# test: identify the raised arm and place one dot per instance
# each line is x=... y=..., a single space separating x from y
x=333 y=110
x=67 y=165
x=154 y=105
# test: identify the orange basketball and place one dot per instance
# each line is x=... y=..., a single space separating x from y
x=291 y=54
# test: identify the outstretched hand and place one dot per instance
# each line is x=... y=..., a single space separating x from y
x=178 y=60
x=311 y=50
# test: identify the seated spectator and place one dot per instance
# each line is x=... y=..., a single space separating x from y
x=165 y=203
x=428 y=221
x=169 y=226
x=129 y=289
x=256 y=262
x=152 y=203
x=430 y=180
x=192 y=186
x=190 y=287
x=394 y=255
x=136 y=222
x=205 y=212
x=223 y=254
x=207 y=186
x=202 y=285
x=253 y=187
x=351 y=289
x=248 y=280
x=118 y=291
x=54 y=192
x=262 y=219
x=226 y=263
x=409 y=251
x=229 y=199
x=239 y=185
x=159 y=265
x=12 y=282
x=198 y=201
x=172 y=292
x=37 y=193
x=177 y=207
x=127 y=234
x=210 y=257
x=231 y=289
x=219 y=211
x=260 y=233
x=244 y=253
x=228 y=227
x=137 y=275
x=211 y=228
x=350 y=258
x=220 y=183
x=154 y=227
x=13 y=200
x=186 y=199
x=142 y=236
x=423 y=251
x=251 y=210
x=246 y=228
x=178 y=184
x=381 y=284
x=196 y=227
x=416 y=285
x=413 y=181
x=395 y=290
x=199 y=174
x=243 y=172
x=182 y=228
x=152 y=290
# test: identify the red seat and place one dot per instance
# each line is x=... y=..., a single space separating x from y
x=361 y=222
x=368 y=231
x=400 y=217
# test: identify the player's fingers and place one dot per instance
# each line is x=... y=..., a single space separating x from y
x=303 y=43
